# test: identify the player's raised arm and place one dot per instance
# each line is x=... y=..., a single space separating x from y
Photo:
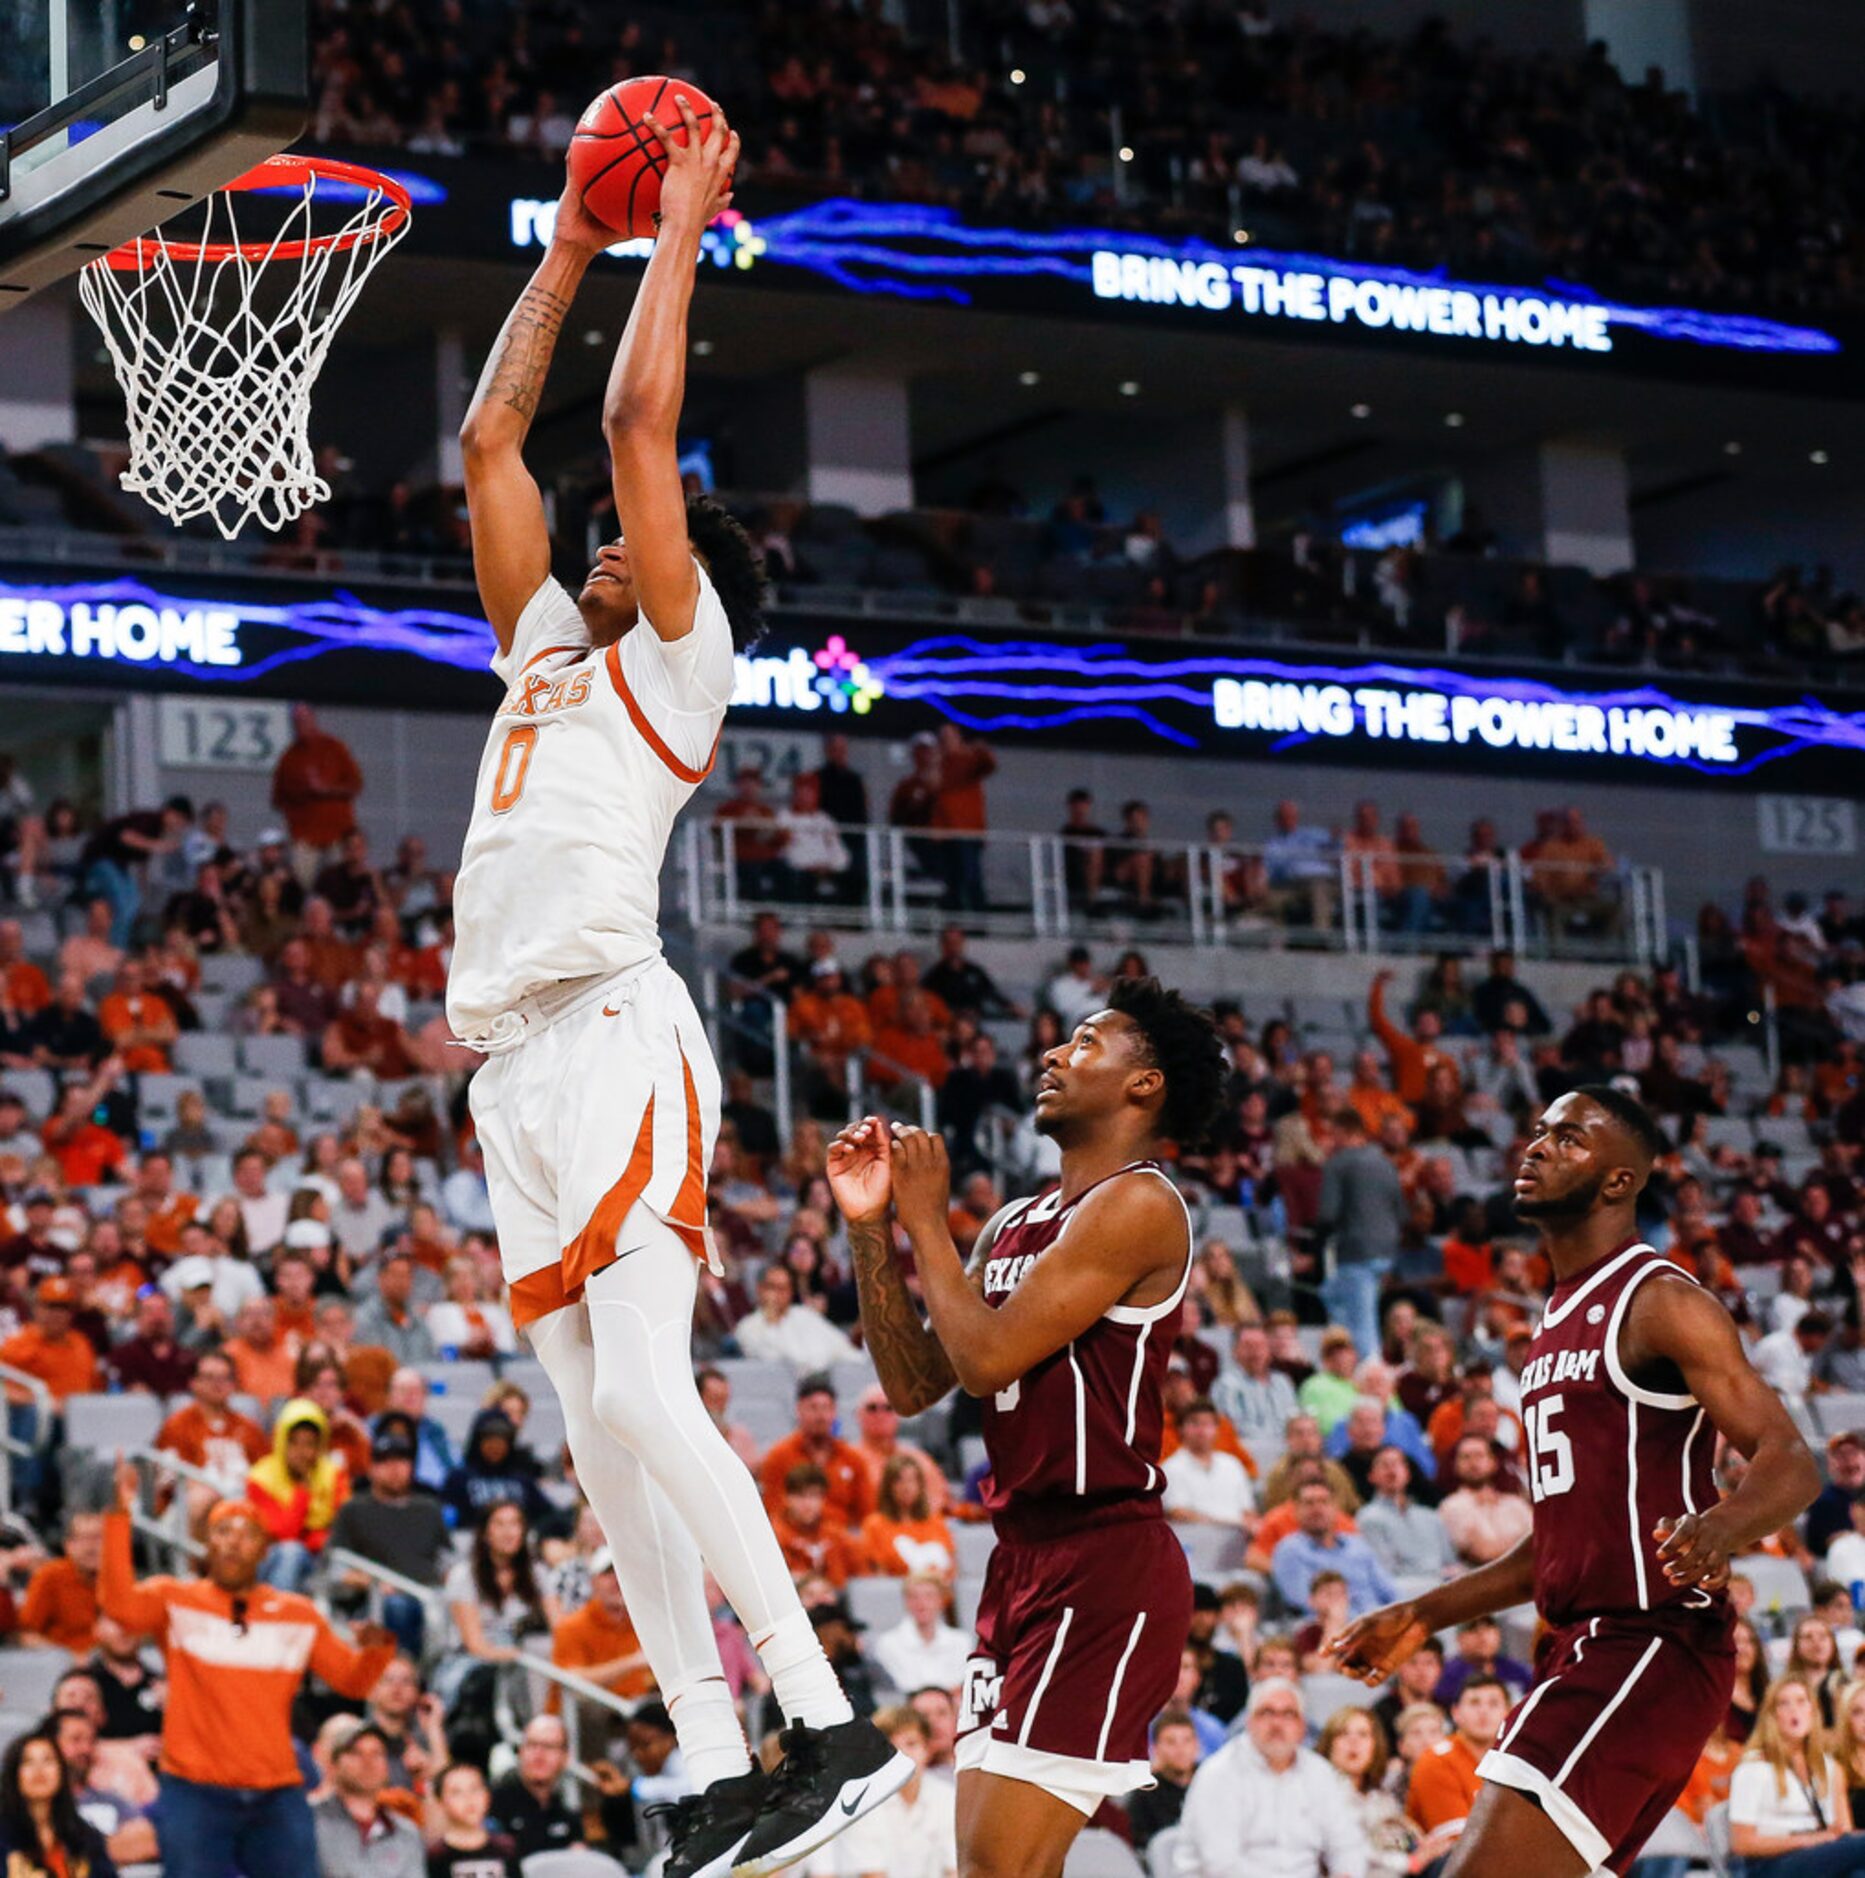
x=641 y=414
x=1124 y=1232
x=511 y=543
x=908 y=1358
x=1677 y=1326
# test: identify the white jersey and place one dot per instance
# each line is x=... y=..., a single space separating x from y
x=591 y=758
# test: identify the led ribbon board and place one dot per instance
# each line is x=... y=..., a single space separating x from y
x=1098 y=693
x=912 y=252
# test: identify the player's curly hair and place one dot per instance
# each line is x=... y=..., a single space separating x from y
x=1182 y=1042
x=1631 y=1115
x=736 y=567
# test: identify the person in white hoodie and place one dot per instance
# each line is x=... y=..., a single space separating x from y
x=1263 y=1806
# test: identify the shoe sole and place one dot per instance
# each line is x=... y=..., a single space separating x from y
x=719 y=1865
x=871 y=1790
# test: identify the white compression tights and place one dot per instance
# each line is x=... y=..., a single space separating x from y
x=665 y=1484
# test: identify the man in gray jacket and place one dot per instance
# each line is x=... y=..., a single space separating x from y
x=1362 y=1217
x=357 y=1836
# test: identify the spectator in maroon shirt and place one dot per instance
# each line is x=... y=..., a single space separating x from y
x=1742 y=1240
x=30 y=1255
x=1815 y=1230
x=305 y=1008
x=352 y=886
x=151 y=1361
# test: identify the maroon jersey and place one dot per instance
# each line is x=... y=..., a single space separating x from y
x=1607 y=1457
x=1086 y=1422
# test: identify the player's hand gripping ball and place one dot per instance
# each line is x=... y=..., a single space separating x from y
x=625 y=142
x=922 y=1178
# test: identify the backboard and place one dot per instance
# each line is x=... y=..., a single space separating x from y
x=116 y=115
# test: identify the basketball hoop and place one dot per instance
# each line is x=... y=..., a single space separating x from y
x=217 y=342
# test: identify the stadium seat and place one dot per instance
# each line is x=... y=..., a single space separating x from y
x=231 y=973
x=1780 y=1585
x=970 y=1454
x=204 y=1053
x=465 y=1376
x=37 y=1088
x=1211 y=1551
x=572 y=1862
x=544 y=1430
x=1162 y=1854
x=1716 y=1837
x=875 y=1601
x=455 y=1414
x=1098 y=1853
x=975 y=1541
x=281 y=1058
x=1322 y=1695
x=965 y=1594
x=1837 y=1413
x=1730 y=1131
x=106 y=1423
x=28 y=1677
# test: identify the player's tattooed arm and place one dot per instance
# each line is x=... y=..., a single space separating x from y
x=910 y=1361
x=521 y=355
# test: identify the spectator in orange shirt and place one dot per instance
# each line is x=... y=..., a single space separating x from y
x=50 y=1349
x=296 y=1491
x=329 y=957
x=87 y=1153
x=28 y=989
x=1569 y=872
x=167 y=1210
x=315 y=787
x=59 y=1610
x=1370 y=1098
x=1376 y=862
x=263 y=1364
x=958 y=805
x=846 y=1479
x=912 y=1045
x=829 y=1019
x=139 y=1022
x=598 y=1642
x=213 y=1435
x=904 y=978
x=878 y=1442
x=1444 y=1783
x=903 y=1536
x=810 y=1539
x=1469 y=1257
x=1412 y=1057
x=360 y=1037
x=757 y=841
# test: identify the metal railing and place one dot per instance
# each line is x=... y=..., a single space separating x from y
x=1230 y=895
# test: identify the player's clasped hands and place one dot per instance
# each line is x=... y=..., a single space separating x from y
x=860 y=1169
x=1372 y=1647
x=922 y=1178
x=1693 y=1551
x=698 y=181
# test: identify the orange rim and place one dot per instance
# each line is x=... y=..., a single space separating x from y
x=274 y=172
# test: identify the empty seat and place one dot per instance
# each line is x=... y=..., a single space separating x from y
x=28 y=1677
x=159 y=1095
x=465 y=1376
x=875 y=1601
x=34 y=1087
x=202 y=1053
x=1780 y=1585
x=105 y=1423
x=1838 y=1413
x=231 y=973
x=975 y=1542
x=249 y=1094
x=279 y=1058
x=1323 y=1694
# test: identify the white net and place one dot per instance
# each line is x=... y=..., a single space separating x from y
x=217 y=345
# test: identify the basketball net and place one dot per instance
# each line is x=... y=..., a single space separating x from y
x=217 y=342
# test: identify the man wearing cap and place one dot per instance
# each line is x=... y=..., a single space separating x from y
x=30 y=1255
x=1265 y=1805
x=599 y=1644
x=238 y=1652
x=357 y=1836
x=235 y=1282
x=394 y=1526
x=1330 y=1393
x=1831 y=1514
x=49 y=1348
x=433 y=1452
x=839 y=1630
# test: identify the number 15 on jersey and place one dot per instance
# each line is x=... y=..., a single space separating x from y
x=1550 y=1453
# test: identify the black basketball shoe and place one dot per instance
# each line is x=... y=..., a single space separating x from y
x=706 y=1830
x=828 y=1779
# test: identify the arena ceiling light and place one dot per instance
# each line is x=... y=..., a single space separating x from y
x=1029 y=378
x=1453 y=420
x=1129 y=387
x=1018 y=76
x=702 y=348
x=1818 y=456
x=1126 y=153
x=1360 y=410
x=1732 y=448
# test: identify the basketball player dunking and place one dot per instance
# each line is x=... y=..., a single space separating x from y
x=1063 y=1325
x=1634 y=1374
x=599 y=1106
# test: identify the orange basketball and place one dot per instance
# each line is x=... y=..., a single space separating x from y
x=616 y=160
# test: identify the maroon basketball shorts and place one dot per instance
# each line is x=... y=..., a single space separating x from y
x=1080 y=1633
x=1612 y=1729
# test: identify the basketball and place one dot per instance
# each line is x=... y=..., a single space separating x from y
x=614 y=158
